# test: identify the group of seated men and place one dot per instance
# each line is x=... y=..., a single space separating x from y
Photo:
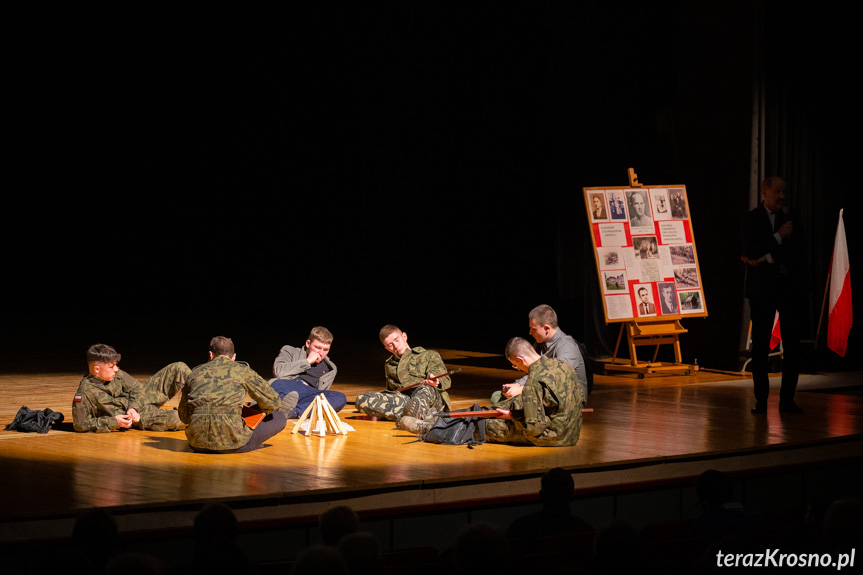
x=542 y=408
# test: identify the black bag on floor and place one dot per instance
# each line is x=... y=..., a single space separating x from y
x=39 y=421
x=468 y=431
x=588 y=368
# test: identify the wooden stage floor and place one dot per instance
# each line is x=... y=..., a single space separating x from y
x=641 y=431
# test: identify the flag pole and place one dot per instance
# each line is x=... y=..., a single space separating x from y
x=823 y=302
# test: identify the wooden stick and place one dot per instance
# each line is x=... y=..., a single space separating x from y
x=338 y=421
x=302 y=418
x=435 y=377
x=823 y=303
x=328 y=415
x=335 y=422
x=321 y=421
x=487 y=413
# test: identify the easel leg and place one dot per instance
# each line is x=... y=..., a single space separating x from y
x=633 y=355
x=617 y=344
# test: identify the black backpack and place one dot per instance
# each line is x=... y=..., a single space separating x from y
x=30 y=420
x=588 y=369
x=468 y=431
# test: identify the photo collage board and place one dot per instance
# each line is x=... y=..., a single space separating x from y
x=645 y=253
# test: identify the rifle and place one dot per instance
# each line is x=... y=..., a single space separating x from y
x=435 y=377
x=487 y=413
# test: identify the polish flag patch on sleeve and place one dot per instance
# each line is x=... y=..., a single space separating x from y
x=78 y=397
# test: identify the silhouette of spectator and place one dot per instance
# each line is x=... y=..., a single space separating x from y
x=320 y=559
x=843 y=525
x=337 y=522
x=617 y=549
x=361 y=552
x=216 y=549
x=557 y=491
x=721 y=515
x=137 y=563
x=95 y=538
x=476 y=545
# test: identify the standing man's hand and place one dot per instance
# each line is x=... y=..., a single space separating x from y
x=785 y=230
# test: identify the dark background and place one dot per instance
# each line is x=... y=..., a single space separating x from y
x=179 y=175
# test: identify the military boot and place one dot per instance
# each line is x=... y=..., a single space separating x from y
x=417 y=408
x=289 y=402
x=414 y=425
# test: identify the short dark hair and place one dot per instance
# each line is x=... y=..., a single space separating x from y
x=772 y=183
x=635 y=194
x=714 y=487
x=517 y=346
x=387 y=330
x=321 y=334
x=336 y=522
x=102 y=353
x=557 y=485
x=221 y=345
x=543 y=315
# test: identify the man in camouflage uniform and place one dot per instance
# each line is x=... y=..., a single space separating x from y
x=553 y=342
x=548 y=411
x=212 y=404
x=109 y=399
x=407 y=366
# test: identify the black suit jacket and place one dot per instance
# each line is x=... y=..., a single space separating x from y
x=651 y=309
x=666 y=310
x=758 y=240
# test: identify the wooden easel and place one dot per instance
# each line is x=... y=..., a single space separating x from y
x=653 y=333
x=664 y=328
x=320 y=415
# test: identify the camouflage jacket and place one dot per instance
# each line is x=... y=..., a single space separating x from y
x=212 y=403
x=97 y=403
x=415 y=365
x=552 y=402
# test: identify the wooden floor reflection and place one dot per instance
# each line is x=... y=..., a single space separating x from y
x=633 y=421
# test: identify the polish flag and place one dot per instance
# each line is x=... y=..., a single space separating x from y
x=840 y=317
x=775 y=336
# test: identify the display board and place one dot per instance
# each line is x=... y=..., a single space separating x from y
x=645 y=253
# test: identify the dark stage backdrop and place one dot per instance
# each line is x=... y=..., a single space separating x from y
x=180 y=175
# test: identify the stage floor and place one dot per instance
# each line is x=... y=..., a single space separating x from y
x=640 y=430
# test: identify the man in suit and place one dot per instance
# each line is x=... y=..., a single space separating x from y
x=639 y=211
x=773 y=246
x=598 y=207
x=667 y=299
x=550 y=340
x=646 y=306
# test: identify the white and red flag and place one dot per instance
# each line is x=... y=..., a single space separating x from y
x=776 y=334
x=840 y=315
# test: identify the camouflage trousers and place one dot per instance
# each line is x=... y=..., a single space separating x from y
x=506 y=430
x=515 y=432
x=157 y=419
x=166 y=383
x=390 y=404
x=158 y=390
